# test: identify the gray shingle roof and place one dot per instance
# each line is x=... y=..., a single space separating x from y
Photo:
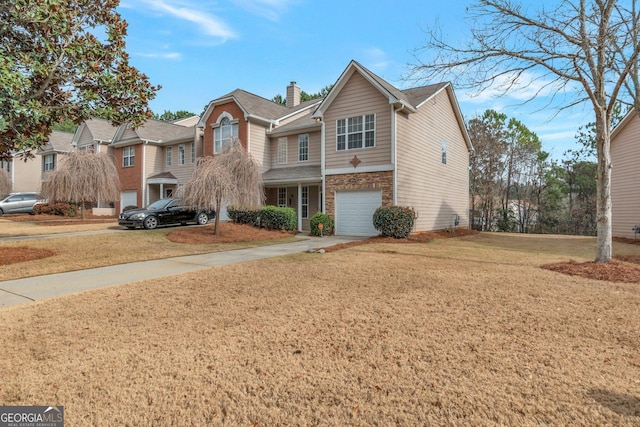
x=59 y=142
x=296 y=173
x=101 y=129
x=156 y=130
x=258 y=106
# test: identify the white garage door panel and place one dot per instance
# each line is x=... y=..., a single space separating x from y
x=128 y=198
x=354 y=212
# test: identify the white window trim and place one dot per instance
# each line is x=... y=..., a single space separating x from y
x=168 y=155
x=233 y=123
x=128 y=153
x=181 y=154
x=363 y=132
x=300 y=159
x=49 y=166
x=444 y=151
x=282 y=191
x=282 y=153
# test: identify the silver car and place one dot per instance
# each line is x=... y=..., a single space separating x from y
x=19 y=203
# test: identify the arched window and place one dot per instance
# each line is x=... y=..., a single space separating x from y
x=224 y=133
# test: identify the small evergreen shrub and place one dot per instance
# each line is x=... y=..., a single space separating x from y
x=394 y=221
x=244 y=216
x=325 y=220
x=58 y=208
x=276 y=218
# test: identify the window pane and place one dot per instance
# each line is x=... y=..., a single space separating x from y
x=355 y=140
x=341 y=143
x=369 y=139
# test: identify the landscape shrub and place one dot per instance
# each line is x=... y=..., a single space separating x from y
x=325 y=220
x=394 y=221
x=244 y=216
x=276 y=218
x=58 y=208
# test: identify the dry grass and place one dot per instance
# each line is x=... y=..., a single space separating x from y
x=13 y=227
x=455 y=332
x=98 y=250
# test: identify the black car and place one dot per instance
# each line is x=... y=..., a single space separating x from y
x=163 y=212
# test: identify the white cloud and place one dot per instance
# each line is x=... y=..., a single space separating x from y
x=375 y=58
x=270 y=9
x=207 y=23
x=168 y=55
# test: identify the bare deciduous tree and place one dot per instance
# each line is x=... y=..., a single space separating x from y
x=84 y=177
x=5 y=182
x=590 y=44
x=232 y=176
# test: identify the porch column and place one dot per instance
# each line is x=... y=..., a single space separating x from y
x=161 y=190
x=299 y=207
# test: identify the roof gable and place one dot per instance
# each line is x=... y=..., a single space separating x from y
x=157 y=131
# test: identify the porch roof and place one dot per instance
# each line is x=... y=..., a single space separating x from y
x=292 y=175
x=163 y=178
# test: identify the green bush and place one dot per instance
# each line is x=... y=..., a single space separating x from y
x=394 y=221
x=58 y=208
x=325 y=220
x=244 y=216
x=276 y=218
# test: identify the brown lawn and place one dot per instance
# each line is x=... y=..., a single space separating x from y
x=465 y=331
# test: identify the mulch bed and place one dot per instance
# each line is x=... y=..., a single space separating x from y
x=228 y=233
x=12 y=255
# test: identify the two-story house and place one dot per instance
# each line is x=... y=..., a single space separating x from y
x=366 y=145
x=154 y=160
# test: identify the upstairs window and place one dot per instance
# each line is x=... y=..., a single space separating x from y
x=356 y=132
x=303 y=147
x=282 y=150
x=181 y=154
x=49 y=162
x=5 y=165
x=169 y=153
x=193 y=152
x=128 y=156
x=444 y=151
x=223 y=134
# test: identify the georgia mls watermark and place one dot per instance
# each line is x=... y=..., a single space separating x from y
x=31 y=416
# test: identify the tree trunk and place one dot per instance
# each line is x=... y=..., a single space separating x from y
x=217 y=220
x=82 y=209
x=603 y=204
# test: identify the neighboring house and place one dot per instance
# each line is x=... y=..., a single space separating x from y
x=154 y=160
x=366 y=145
x=59 y=144
x=625 y=176
x=24 y=172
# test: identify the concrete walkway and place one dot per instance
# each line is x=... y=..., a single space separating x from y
x=20 y=291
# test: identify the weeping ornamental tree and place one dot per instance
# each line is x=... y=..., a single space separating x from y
x=83 y=177
x=592 y=45
x=232 y=176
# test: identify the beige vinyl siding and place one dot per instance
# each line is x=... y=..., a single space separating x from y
x=358 y=97
x=181 y=172
x=128 y=134
x=86 y=138
x=154 y=160
x=292 y=151
x=435 y=190
x=26 y=174
x=259 y=145
x=625 y=192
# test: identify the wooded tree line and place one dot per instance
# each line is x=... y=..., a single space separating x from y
x=516 y=186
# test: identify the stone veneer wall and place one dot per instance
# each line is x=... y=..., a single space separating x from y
x=358 y=181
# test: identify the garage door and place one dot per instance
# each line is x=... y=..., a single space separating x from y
x=128 y=198
x=354 y=212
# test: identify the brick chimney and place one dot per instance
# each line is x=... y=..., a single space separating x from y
x=293 y=95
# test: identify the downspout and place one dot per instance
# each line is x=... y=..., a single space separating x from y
x=323 y=166
x=394 y=150
x=145 y=192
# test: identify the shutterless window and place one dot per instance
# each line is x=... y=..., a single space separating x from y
x=444 y=151
x=128 y=156
x=181 y=154
x=193 y=152
x=282 y=150
x=223 y=134
x=356 y=132
x=282 y=197
x=303 y=147
x=169 y=153
x=49 y=162
x=305 y=202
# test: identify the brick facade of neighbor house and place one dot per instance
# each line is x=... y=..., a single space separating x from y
x=358 y=181
x=130 y=176
x=236 y=112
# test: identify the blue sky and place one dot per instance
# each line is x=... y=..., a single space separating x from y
x=199 y=50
